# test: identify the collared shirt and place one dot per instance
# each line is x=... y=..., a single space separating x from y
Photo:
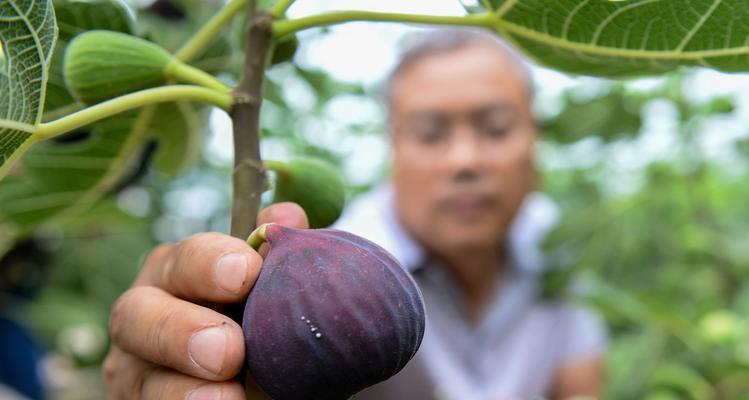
x=515 y=349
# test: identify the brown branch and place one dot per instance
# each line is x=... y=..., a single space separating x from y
x=249 y=174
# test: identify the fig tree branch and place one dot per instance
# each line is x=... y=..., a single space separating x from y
x=285 y=27
x=132 y=101
x=249 y=174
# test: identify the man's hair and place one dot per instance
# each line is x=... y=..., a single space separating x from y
x=444 y=40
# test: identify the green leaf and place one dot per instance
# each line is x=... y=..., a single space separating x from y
x=624 y=38
x=62 y=180
x=28 y=32
x=611 y=116
x=179 y=129
x=683 y=378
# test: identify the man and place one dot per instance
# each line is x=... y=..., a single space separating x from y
x=459 y=214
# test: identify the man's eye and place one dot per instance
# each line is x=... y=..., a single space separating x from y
x=496 y=130
x=430 y=134
x=429 y=130
x=495 y=126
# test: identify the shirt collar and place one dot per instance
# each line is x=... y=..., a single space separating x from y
x=373 y=216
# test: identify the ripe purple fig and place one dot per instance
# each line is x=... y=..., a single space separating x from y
x=330 y=314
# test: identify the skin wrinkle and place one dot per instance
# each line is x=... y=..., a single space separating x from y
x=159 y=332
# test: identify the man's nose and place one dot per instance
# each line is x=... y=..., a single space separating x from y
x=464 y=153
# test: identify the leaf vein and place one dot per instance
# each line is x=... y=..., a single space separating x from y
x=613 y=15
x=699 y=25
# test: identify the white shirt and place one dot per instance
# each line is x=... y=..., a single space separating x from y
x=520 y=342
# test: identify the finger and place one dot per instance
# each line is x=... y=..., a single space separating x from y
x=151 y=324
x=287 y=214
x=207 y=267
x=129 y=377
x=124 y=374
x=167 y=385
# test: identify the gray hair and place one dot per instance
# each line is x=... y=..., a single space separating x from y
x=445 y=40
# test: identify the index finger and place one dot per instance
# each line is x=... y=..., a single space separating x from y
x=213 y=267
x=287 y=214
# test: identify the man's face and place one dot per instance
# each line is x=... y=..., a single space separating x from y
x=463 y=136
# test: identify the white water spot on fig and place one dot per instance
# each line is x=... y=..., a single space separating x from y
x=313 y=328
x=302 y=318
x=318 y=335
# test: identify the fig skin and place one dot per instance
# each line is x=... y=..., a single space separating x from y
x=330 y=314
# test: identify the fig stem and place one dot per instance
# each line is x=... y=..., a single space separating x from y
x=180 y=71
x=275 y=165
x=200 y=41
x=280 y=8
x=257 y=237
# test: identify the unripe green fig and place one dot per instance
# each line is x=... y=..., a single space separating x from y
x=313 y=184
x=100 y=65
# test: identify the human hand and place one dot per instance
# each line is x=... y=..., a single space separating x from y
x=168 y=339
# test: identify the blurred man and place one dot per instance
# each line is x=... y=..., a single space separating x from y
x=459 y=214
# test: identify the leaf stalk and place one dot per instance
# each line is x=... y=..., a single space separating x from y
x=194 y=47
x=132 y=101
x=285 y=27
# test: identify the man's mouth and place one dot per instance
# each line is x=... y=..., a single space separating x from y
x=469 y=206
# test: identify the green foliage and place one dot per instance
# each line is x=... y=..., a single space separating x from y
x=64 y=178
x=73 y=18
x=27 y=35
x=626 y=38
x=663 y=259
x=611 y=116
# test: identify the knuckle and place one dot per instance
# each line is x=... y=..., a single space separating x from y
x=199 y=240
x=157 y=254
x=139 y=384
x=118 y=315
x=109 y=369
x=159 y=336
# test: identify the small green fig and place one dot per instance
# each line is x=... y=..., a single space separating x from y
x=100 y=65
x=313 y=184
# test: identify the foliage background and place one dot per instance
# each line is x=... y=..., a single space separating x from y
x=650 y=174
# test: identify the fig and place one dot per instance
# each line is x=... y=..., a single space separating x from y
x=330 y=314
x=313 y=184
x=100 y=65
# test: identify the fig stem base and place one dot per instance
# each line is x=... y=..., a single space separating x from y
x=257 y=237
